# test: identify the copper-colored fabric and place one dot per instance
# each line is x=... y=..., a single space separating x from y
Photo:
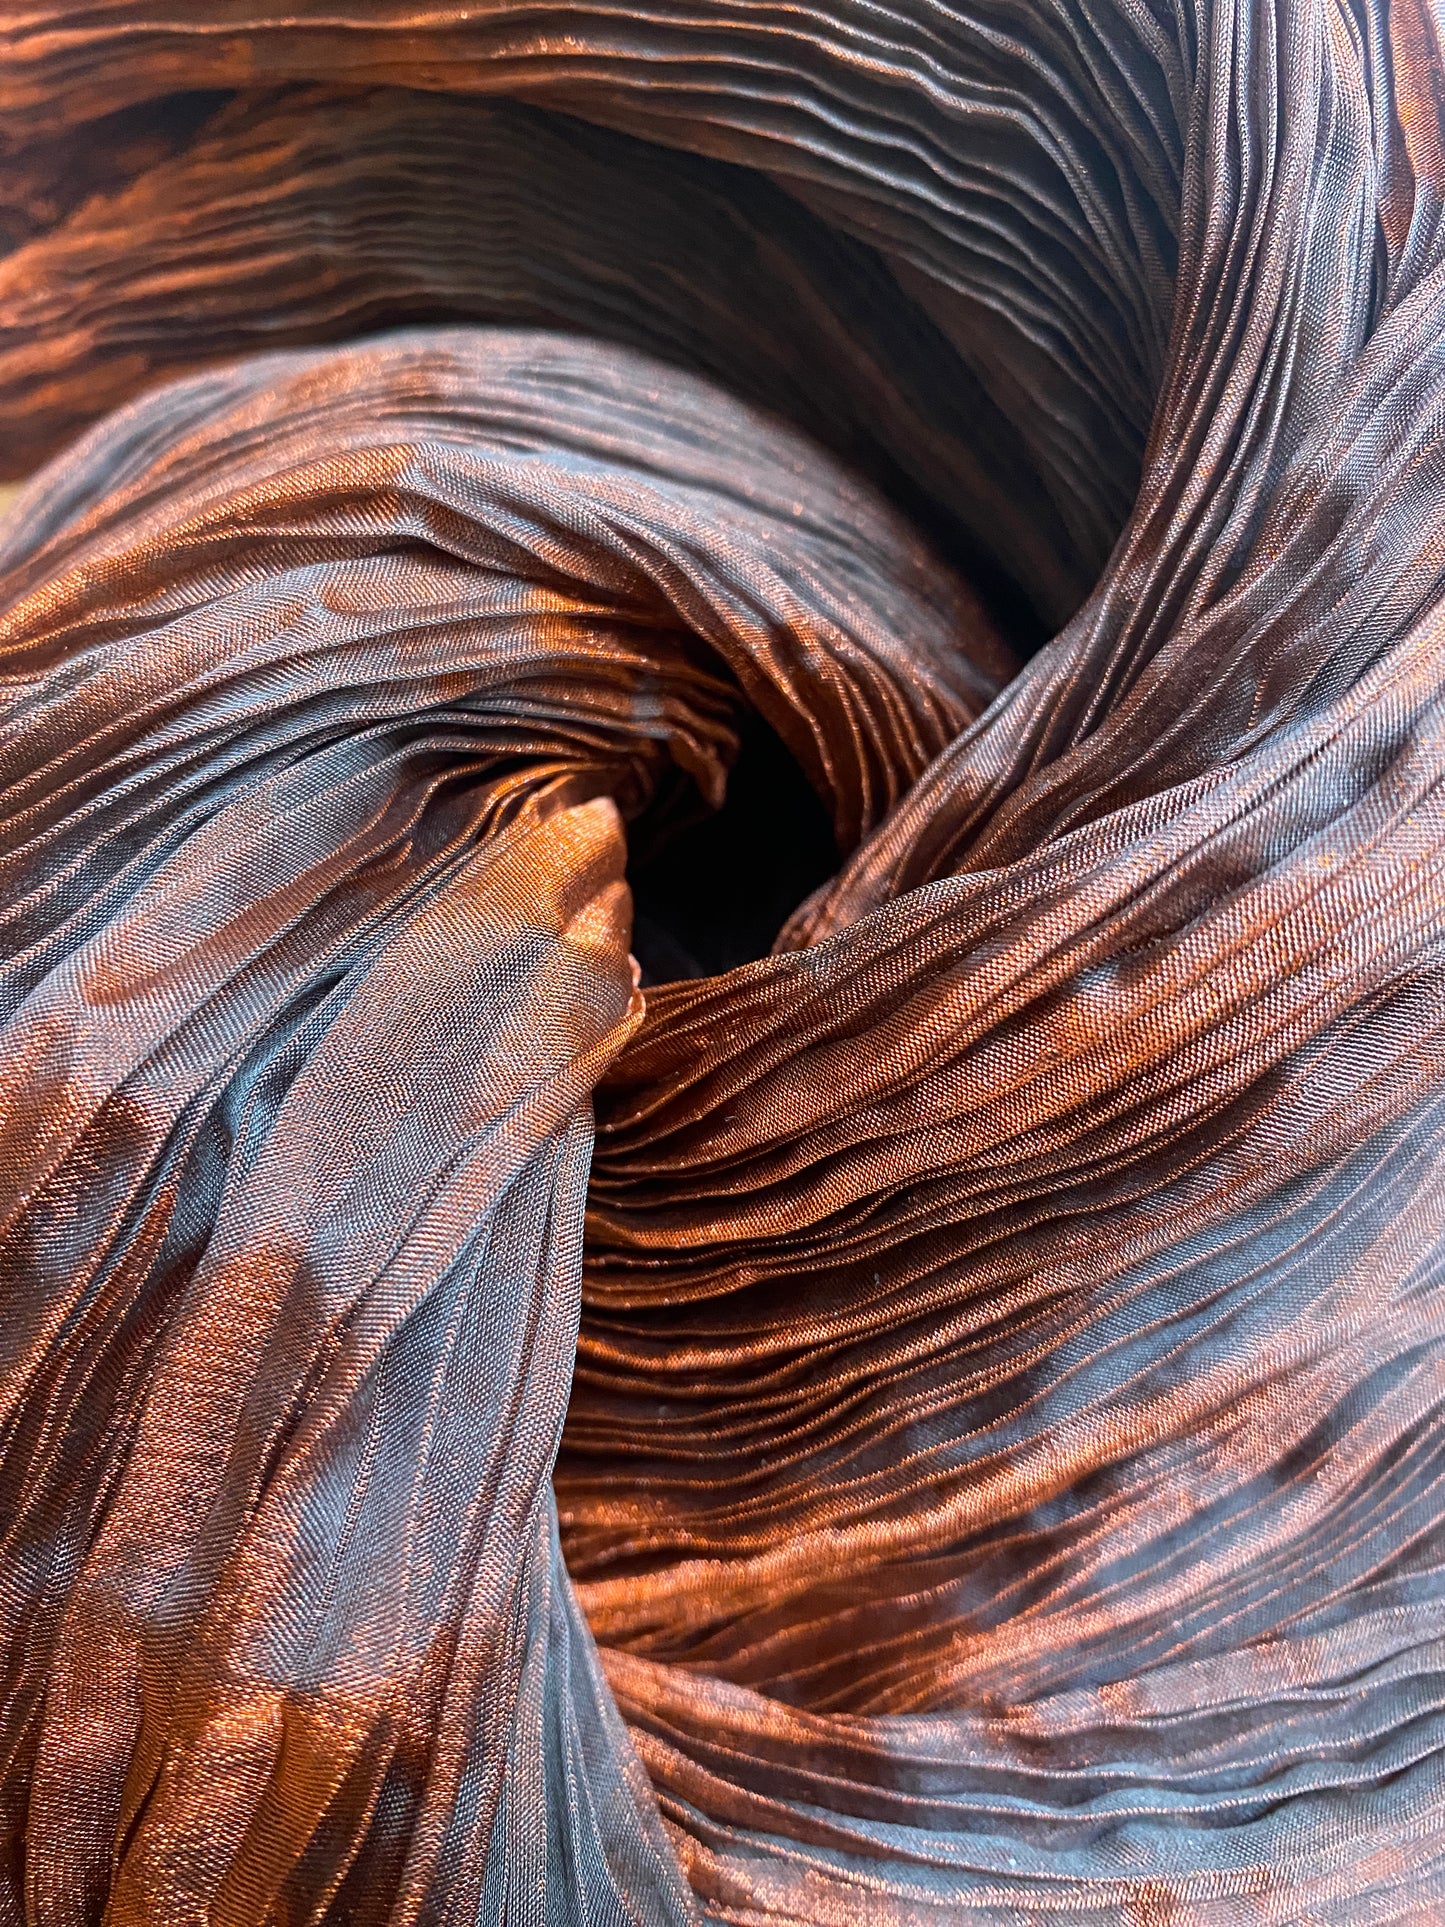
x=943 y=1422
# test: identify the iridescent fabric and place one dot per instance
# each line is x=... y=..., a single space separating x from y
x=943 y=1422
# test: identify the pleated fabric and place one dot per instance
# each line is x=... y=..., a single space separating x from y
x=944 y=1422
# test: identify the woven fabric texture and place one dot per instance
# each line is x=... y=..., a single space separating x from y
x=943 y=1422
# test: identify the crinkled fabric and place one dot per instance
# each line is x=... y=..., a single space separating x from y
x=941 y=1422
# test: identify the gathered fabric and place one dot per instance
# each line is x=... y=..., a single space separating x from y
x=943 y=1421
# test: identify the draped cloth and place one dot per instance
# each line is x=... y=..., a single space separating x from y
x=945 y=1421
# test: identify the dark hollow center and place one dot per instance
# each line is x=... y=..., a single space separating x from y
x=711 y=889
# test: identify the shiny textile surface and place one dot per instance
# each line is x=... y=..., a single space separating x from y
x=945 y=1422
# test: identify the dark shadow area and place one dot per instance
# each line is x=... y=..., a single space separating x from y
x=42 y=183
x=711 y=889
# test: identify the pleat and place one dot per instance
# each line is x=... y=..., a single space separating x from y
x=1022 y=181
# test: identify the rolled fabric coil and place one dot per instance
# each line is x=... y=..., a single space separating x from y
x=941 y=1421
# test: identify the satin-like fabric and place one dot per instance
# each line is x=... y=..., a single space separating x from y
x=945 y=1422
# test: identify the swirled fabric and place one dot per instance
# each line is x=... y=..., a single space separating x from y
x=940 y=1422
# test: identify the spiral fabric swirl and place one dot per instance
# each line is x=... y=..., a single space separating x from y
x=940 y=1422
